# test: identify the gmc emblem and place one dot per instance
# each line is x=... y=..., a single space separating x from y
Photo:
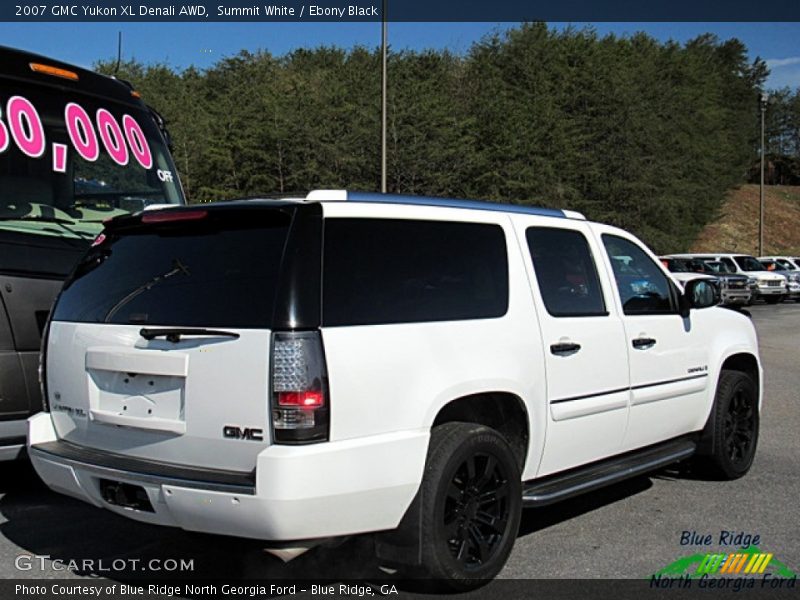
x=243 y=433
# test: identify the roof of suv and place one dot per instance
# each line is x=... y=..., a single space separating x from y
x=379 y=198
x=781 y=257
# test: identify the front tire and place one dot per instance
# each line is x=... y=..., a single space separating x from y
x=471 y=505
x=734 y=431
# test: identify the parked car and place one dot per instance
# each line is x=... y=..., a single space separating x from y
x=685 y=269
x=76 y=147
x=734 y=288
x=739 y=288
x=788 y=270
x=352 y=363
x=771 y=287
x=789 y=262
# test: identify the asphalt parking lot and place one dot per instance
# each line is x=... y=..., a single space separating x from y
x=629 y=530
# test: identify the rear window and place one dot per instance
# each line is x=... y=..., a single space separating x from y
x=380 y=271
x=221 y=271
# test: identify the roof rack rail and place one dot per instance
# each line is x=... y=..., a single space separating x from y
x=340 y=195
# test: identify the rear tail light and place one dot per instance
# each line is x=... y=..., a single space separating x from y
x=300 y=402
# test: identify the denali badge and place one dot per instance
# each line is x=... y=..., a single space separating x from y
x=243 y=433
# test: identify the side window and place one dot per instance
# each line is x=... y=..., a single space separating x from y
x=380 y=271
x=643 y=288
x=729 y=264
x=566 y=272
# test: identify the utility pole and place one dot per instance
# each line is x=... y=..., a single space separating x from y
x=763 y=98
x=383 y=97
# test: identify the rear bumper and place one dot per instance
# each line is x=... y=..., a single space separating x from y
x=295 y=492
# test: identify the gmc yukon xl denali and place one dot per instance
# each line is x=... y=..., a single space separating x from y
x=419 y=369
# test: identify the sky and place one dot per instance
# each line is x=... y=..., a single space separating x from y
x=202 y=44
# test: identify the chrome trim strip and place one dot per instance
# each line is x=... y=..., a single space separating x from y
x=630 y=388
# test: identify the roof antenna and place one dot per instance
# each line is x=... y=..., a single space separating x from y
x=119 y=53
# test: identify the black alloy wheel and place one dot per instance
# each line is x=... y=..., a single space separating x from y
x=739 y=426
x=730 y=438
x=471 y=503
x=476 y=510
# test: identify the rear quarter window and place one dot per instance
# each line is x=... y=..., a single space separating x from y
x=380 y=271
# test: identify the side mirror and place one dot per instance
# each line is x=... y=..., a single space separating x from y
x=699 y=293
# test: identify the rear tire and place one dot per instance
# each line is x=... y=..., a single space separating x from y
x=471 y=505
x=733 y=429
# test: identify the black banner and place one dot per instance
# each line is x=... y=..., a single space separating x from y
x=401 y=10
x=681 y=588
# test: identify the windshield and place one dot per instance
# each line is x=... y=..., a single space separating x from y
x=718 y=267
x=676 y=265
x=748 y=263
x=698 y=266
x=786 y=264
x=69 y=161
x=769 y=265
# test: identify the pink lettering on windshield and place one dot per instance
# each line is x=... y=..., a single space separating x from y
x=81 y=132
x=60 y=158
x=137 y=142
x=3 y=134
x=112 y=137
x=23 y=126
x=26 y=126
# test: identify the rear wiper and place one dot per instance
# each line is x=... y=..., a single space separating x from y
x=174 y=335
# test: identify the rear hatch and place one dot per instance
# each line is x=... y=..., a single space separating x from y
x=159 y=343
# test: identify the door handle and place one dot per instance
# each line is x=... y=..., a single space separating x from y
x=564 y=348
x=643 y=343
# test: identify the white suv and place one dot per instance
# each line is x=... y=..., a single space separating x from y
x=770 y=286
x=350 y=363
x=783 y=265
